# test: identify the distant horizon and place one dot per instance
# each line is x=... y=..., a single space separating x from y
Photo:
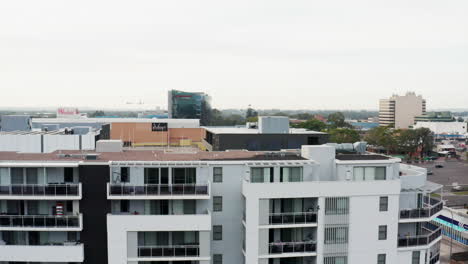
x=53 y=109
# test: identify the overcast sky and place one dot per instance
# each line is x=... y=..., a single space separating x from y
x=270 y=54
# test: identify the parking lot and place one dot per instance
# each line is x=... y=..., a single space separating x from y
x=452 y=172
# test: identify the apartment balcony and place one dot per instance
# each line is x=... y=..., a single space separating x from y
x=158 y=191
x=179 y=251
x=41 y=223
x=435 y=259
x=297 y=219
x=429 y=235
x=40 y=192
x=433 y=207
x=292 y=249
x=66 y=252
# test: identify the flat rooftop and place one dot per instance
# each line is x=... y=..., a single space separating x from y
x=150 y=155
x=244 y=130
x=361 y=157
x=115 y=120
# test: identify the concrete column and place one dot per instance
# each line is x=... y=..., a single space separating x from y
x=264 y=211
x=205 y=244
x=251 y=230
x=263 y=242
x=132 y=244
x=276 y=174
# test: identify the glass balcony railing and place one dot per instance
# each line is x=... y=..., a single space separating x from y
x=40 y=189
x=158 y=189
x=434 y=259
x=293 y=218
x=430 y=233
x=292 y=247
x=169 y=251
x=433 y=207
x=40 y=221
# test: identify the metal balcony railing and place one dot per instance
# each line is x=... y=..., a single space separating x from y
x=292 y=247
x=432 y=233
x=40 y=189
x=434 y=259
x=169 y=251
x=434 y=206
x=40 y=221
x=293 y=218
x=158 y=189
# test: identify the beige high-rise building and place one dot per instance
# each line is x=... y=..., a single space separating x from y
x=401 y=110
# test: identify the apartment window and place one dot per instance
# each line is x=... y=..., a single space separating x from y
x=291 y=174
x=184 y=175
x=336 y=205
x=151 y=176
x=383 y=232
x=217 y=259
x=217 y=174
x=336 y=235
x=217 y=203
x=124 y=206
x=218 y=232
x=415 y=257
x=68 y=175
x=369 y=173
x=381 y=258
x=124 y=174
x=335 y=260
x=261 y=174
x=383 y=204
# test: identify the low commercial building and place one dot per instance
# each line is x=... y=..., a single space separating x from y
x=270 y=134
x=79 y=138
x=132 y=207
x=448 y=128
x=15 y=123
x=137 y=131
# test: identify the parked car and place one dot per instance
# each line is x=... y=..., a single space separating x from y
x=429 y=172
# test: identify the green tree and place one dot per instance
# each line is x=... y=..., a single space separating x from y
x=312 y=124
x=425 y=140
x=337 y=119
x=343 y=135
x=250 y=113
x=382 y=136
x=97 y=113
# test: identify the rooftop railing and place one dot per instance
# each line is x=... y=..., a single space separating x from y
x=40 y=221
x=292 y=247
x=169 y=251
x=432 y=232
x=158 y=189
x=293 y=218
x=433 y=206
x=40 y=189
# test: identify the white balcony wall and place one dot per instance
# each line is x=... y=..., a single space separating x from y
x=72 y=253
x=119 y=226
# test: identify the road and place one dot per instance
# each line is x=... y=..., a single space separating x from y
x=452 y=172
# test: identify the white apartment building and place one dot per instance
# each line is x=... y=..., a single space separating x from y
x=313 y=206
x=400 y=111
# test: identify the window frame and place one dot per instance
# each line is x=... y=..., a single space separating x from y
x=217 y=258
x=217 y=203
x=217 y=232
x=383 y=206
x=382 y=233
x=381 y=258
x=218 y=176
